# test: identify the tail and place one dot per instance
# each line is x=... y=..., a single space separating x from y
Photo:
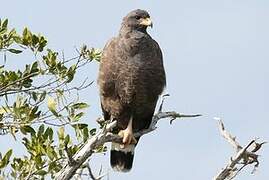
x=121 y=159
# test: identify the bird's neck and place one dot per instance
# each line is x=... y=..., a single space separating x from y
x=125 y=30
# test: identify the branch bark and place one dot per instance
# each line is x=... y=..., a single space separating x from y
x=244 y=155
x=104 y=136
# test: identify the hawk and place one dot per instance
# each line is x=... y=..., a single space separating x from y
x=131 y=78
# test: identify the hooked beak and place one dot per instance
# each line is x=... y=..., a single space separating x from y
x=146 y=22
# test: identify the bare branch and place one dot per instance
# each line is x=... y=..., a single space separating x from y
x=229 y=137
x=104 y=136
x=244 y=155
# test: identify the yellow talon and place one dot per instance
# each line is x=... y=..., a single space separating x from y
x=127 y=135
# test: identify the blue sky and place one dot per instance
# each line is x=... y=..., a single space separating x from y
x=216 y=60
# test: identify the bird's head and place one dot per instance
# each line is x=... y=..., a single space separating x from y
x=137 y=20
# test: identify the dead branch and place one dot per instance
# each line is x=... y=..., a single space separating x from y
x=104 y=136
x=244 y=155
x=100 y=174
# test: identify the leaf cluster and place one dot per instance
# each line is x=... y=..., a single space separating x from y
x=40 y=105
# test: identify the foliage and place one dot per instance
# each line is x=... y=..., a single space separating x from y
x=39 y=103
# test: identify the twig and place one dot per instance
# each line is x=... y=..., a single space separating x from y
x=244 y=155
x=92 y=176
x=91 y=173
x=162 y=101
x=175 y=115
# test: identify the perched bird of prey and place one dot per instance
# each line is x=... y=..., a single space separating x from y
x=131 y=78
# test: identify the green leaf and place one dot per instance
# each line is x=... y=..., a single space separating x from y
x=27 y=37
x=42 y=43
x=41 y=130
x=11 y=33
x=53 y=166
x=27 y=83
x=5 y=23
x=78 y=116
x=34 y=96
x=80 y=105
x=66 y=139
x=49 y=133
x=52 y=106
x=35 y=39
x=85 y=133
x=42 y=96
x=27 y=129
x=17 y=39
x=15 y=51
x=5 y=160
x=61 y=133
x=80 y=126
x=8 y=154
x=51 y=153
x=34 y=67
x=38 y=160
x=41 y=172
x=93 y=131
x=71 y=72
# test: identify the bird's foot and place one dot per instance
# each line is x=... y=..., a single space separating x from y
x=127 y=137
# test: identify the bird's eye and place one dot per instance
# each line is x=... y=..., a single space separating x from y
x=137 y=17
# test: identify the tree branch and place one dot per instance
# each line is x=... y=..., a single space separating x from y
x=103 y=136
x=244 y=155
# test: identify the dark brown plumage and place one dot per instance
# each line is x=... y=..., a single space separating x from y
x=131 y=78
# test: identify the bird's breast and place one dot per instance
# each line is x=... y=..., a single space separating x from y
x=136 y=45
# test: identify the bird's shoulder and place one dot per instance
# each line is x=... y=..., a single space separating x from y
x=109 y=48
x=108 y=67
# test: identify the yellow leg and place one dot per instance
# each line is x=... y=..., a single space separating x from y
x=127 y=135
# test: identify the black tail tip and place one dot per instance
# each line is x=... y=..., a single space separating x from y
x=121 y=161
